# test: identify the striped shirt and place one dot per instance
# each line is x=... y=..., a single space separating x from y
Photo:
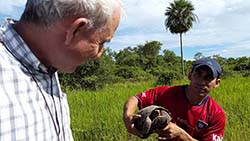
x=32 y=105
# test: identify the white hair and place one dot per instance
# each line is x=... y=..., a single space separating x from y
x=46 y=12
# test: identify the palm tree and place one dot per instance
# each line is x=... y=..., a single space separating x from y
x=180 y=18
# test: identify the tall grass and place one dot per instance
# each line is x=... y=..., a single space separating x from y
x=97 y=116
x=234 y=97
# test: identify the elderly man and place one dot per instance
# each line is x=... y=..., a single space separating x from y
x=51 y=36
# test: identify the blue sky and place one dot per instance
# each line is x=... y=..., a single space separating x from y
x=223 y=27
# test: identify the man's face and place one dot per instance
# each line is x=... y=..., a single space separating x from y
x=202 y=81
x=90 y=44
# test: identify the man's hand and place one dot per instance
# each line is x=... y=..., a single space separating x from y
x=172 y=131
x=129 y=123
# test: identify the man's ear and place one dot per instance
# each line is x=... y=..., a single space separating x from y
x=73 y=28
x=217 y=83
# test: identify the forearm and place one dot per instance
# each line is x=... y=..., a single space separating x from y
x=184 y=136
x=130 y=106
x=128 y=115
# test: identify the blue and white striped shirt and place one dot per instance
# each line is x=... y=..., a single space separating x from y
x=32 y=105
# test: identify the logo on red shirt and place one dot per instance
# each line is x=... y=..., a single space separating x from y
x=217 y=138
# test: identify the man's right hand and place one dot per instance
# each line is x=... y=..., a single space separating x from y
x=129 y=123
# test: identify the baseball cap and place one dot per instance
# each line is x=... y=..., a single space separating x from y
x=211 y=63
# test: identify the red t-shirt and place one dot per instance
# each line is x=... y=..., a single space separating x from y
x=205 y=122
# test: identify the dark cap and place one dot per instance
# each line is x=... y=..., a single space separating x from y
x=211 y=63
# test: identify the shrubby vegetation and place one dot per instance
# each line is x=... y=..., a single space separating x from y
x=141 y=63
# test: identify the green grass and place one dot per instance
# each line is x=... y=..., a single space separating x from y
x=234 y=97
x=97 y=116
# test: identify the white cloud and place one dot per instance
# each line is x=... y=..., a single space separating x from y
x=223 y=24
x=234 y=50
x=7 y=6
x=208 y=8
x=144 y=13
x=11 y=8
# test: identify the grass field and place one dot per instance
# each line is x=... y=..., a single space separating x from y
x=97 y=116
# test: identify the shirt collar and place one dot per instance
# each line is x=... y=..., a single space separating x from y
x=18 y=48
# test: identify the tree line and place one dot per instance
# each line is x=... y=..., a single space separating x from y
x=142 y=63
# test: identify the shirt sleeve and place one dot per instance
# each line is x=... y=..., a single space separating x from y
x=149 y=97
x=216 y=128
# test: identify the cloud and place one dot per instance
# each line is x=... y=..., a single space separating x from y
x=222 y=26
x=234 y=50
x=11 y=8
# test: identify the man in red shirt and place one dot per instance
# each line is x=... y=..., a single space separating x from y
x=196 y=116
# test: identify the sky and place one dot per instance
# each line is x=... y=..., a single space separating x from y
x=222 y=29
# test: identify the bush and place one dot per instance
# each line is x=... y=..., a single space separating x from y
x=246 y=74
x=166 y=78
x=242 y=66
x=92 y=75
x=226 y=73
x=135 y=73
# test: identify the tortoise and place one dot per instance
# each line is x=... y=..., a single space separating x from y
x=152 y=117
